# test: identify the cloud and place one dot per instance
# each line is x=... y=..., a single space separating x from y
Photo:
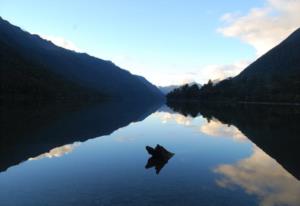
x=215 y=128
x=60 y=41
x=211 y=71
x=262 y=176
x=200 y=74
x=264 y=27
x=220 y=72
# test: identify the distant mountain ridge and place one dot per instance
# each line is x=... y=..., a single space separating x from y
x=57 y=72
x=167 y=89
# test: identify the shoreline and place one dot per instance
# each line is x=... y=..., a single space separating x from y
x=236 y=102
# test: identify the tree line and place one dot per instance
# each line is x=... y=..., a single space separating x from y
x=254 y=89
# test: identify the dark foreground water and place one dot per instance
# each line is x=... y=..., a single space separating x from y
x=96 y=157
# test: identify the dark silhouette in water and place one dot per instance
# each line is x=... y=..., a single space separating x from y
x=275 y=129
x=160 y=157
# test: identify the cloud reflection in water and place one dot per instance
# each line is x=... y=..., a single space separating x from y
x=257 y=175
x=180 y=119
x=213 y=128
x=262 y=176
x=57 y=152
x=217 y=129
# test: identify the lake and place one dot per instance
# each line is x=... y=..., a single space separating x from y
x=96 y=156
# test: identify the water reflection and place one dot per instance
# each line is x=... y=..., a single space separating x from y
x=178 y=118
x=215 y=128
x=274 y=129
x=262 y=176
x=212 y=127
x=28 y=132
x=109 y=170
x=159 y=157
x=57 y=152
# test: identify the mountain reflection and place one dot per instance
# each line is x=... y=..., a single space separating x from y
x=275 y=134
x=32 y=132
x=274 y=129
x=262 y=176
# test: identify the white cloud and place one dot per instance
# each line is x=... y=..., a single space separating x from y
x=203 y=73
x=62 y=42
x=220 y=72
x=199 y=74
x=264 y=27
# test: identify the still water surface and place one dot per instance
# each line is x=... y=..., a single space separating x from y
x=214 y=164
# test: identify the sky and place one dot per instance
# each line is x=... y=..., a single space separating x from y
x=167 y=41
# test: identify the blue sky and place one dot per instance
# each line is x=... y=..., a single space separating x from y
x=167 y=41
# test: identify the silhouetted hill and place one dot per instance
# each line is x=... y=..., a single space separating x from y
x=281 y=61
x=274 y=77
x=34 y=67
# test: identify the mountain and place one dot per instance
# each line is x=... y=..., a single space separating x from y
x=32 y=67
x=274 y=77
x=275 y=74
